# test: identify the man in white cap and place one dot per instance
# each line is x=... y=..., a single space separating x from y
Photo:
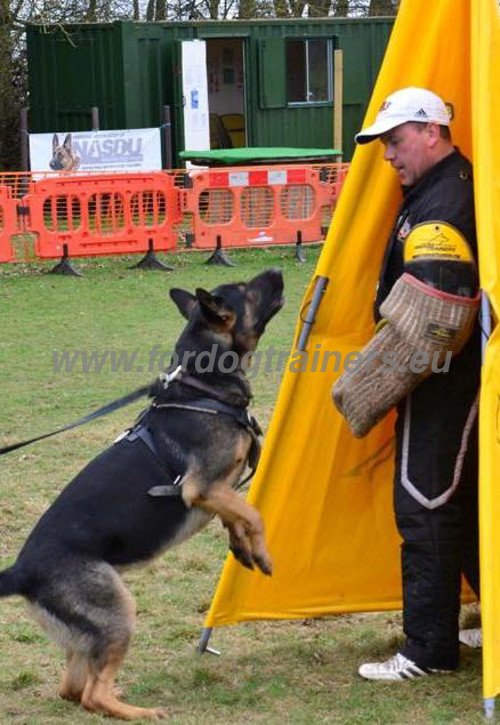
x=432 y=252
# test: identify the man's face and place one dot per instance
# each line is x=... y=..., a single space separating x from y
x=407 y=148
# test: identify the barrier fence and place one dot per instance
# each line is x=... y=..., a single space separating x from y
x=105 y=214
x=8 y=223
x=81 y=215
x=249 y=207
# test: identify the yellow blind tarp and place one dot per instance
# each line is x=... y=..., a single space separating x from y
x=485 y=64
x=326 y=498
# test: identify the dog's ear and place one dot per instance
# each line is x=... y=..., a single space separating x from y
x=214 y=308
x=67 y=142
x=184 y=300
x=55 y=142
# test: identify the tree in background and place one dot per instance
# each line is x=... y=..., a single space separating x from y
x=335 y=8
x=13 y=66
x=15 y=13
x=12 y=85
x=220 y=9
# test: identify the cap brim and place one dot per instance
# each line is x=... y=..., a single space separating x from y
x=373 y=132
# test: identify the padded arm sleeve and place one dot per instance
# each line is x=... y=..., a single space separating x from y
x=423 y=325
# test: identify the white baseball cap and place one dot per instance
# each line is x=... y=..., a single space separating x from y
x=408 y=104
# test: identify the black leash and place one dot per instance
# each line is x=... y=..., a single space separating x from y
x=205 y=405
x=105 y=410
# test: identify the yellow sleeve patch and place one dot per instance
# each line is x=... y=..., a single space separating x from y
x=436 y=240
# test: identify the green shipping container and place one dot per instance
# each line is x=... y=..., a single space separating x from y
x=269 y=82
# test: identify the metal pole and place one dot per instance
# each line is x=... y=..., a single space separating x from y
x=488 y=702
x=203 y=643
x=485 y=321
x=167 y=137
x=94 y=111
x=319 y=290
x=23 y=130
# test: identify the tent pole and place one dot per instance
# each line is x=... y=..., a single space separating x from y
x=319 y=289
x=488 y=702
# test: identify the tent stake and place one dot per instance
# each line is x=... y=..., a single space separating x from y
x=203 y=643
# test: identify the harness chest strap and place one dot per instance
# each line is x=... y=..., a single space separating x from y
x=211 y=407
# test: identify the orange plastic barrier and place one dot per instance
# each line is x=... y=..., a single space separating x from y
x=103 y=214
x=8 y=223
x=255 y=206
x=119 y=213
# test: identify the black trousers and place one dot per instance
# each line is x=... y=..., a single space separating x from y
x=435 y=501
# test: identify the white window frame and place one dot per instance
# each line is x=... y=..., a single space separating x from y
x=329 y=71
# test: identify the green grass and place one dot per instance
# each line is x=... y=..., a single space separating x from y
x=269 y=672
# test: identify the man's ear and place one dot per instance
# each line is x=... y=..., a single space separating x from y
x=214 y=308
x=184 y=300
x=434 y=132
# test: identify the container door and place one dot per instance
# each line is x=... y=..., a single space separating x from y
x=195 y=95
x=272 y=73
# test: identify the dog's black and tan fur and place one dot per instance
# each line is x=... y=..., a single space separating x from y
x=106 y=518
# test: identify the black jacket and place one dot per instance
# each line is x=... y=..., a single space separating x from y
x=445 y=193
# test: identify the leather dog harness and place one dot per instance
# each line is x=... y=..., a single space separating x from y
x=213 y=405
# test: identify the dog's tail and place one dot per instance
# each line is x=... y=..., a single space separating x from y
x=9 y=582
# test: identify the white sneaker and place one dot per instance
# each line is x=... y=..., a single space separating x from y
x=471 y=637
x=398 y=667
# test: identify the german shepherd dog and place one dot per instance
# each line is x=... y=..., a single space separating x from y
x=158 y=484
x=63 y=156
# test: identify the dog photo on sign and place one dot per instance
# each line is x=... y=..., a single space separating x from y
x=63 y=156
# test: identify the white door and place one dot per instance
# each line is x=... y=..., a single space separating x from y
x=195 y=95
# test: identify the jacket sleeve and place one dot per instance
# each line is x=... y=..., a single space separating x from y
x=440 y=249
x=437 y=254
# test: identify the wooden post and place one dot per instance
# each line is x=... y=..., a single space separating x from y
x=338 y=73
x=167 y=137
x=23 y=129
x=94 y=111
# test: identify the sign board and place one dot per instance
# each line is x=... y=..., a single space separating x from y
x=195 y=95
x=88 y=151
